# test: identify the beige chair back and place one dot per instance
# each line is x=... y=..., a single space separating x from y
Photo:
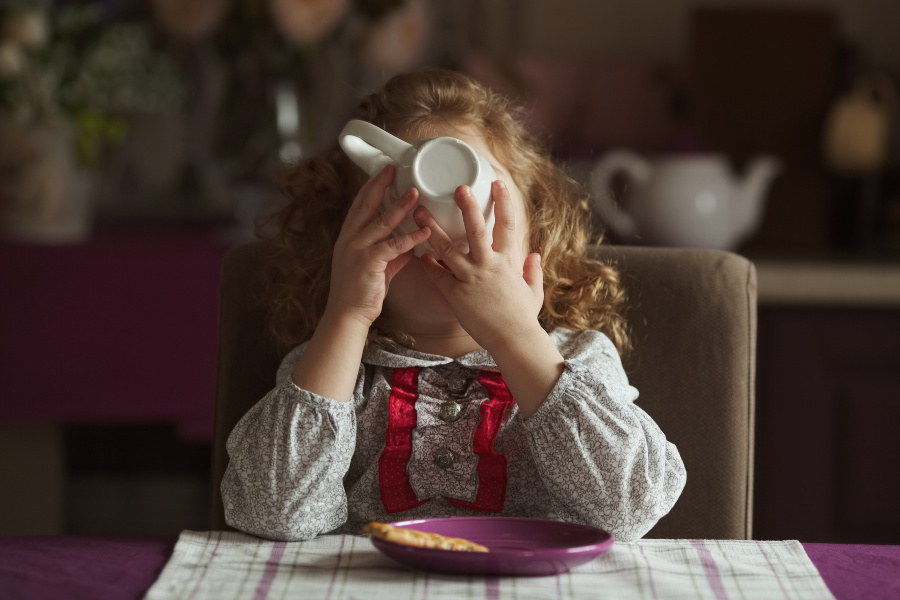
x=693 y=318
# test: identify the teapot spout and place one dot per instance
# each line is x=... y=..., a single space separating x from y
x=752 y=197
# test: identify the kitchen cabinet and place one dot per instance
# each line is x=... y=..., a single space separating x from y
x=828 y=402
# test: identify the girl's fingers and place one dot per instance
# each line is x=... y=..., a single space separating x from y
x=446 y=250
x=473 y=221
x=393 y=267
x=533 y=274
x=365 y=206
x=504 y=217
x=384 y=223
x=441 y=277
x=393 y=247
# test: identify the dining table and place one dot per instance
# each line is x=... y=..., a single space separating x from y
x=224 y=565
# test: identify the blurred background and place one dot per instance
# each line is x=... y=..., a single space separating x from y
x=139 y=140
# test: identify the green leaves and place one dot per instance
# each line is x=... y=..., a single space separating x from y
x=93 y=71
x=95 y=130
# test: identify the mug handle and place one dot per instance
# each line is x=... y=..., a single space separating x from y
x=373 y=148
x=634 y=167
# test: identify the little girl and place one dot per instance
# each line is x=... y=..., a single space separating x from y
x=479 y=382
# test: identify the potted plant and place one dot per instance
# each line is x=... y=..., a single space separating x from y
x=70 y=74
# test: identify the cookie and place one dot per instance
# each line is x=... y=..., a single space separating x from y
x=420 y=539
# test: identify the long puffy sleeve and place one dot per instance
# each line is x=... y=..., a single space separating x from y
x=288 y=457
x=604 y=461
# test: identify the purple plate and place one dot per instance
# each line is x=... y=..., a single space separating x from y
x=517 y=546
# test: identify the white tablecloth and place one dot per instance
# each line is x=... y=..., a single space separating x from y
x=223 y=565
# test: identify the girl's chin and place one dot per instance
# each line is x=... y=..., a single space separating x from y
x=420 y=310
x=414 y=298
x=429 y=315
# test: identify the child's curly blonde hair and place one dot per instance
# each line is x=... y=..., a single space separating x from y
x=579 y=292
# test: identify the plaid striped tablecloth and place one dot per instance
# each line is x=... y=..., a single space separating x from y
x=223 y=565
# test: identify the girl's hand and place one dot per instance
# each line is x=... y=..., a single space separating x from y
x=366 y=255
x=495 y=293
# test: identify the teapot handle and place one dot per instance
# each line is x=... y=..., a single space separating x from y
x=634 y=167
x=373 y=148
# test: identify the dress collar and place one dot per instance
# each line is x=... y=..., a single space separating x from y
x=400 y=356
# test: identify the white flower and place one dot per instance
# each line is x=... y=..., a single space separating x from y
x=396 y=41
x=27 y=27
x=190 y=19
x=307 y=20
x=12 y=59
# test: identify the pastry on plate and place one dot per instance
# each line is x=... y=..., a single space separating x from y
x=420 y=539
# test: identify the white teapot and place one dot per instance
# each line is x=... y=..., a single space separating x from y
x=435 y=166
x=691 y=200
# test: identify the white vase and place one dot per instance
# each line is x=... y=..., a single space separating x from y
x=45 y=197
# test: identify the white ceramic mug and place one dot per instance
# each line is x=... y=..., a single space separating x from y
x=436 y=167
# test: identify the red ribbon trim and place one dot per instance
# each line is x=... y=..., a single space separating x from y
x=396 y=491
x=393 y=480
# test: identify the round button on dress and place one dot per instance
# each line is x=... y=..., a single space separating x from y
x=444 y=458
x=457 y=385
x=450 y=411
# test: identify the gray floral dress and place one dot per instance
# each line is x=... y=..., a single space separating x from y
x=429 y=436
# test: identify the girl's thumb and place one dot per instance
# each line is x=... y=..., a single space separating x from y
x=533 y=274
